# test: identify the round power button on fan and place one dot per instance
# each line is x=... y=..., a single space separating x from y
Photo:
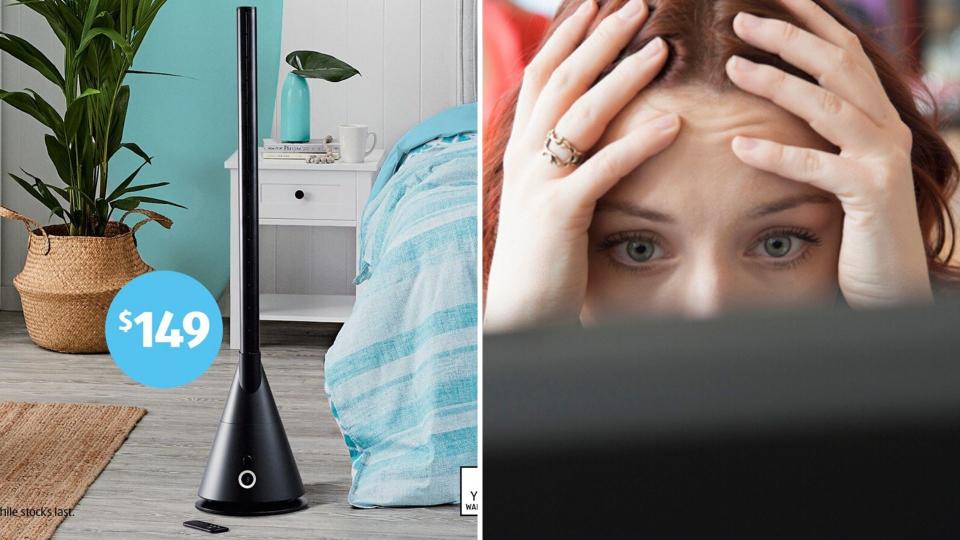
x=247 y=479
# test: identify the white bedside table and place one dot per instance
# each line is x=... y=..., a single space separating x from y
x=300 y=194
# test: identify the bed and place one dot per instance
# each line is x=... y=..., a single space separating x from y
x=401 y=376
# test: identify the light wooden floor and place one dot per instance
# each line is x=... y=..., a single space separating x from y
x=149 y=488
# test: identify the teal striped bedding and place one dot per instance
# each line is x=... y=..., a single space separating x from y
x=402 y=375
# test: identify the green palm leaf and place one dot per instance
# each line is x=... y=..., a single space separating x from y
x=100 y=39
x=22 y=50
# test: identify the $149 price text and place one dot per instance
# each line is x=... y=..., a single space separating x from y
x=195 y=324
x=164 y=329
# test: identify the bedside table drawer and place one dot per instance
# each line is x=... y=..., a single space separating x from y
x=305 y=195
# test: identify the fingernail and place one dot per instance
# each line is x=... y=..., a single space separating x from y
x=744 y=143
x=749 y=20
x=665 y=122
x=742 y=64
x=652 y=48
x=584 y=8
x=631 y=10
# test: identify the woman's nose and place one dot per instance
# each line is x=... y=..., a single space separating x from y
x=710 y=290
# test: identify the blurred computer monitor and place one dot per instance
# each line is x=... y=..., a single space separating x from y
x=777 y=425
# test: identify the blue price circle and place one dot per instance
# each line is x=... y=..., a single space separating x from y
x=164 y=329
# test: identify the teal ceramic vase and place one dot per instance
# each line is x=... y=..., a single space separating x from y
x=295 y=110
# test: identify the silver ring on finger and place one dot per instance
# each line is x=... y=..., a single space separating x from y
x=560 y=151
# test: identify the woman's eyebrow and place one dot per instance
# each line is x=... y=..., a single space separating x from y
x=634 y=210
x=789 y=203
x=781 y=205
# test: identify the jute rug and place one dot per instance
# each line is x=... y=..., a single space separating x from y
x=50 y=453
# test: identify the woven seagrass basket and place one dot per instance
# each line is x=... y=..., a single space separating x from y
x=68 y=282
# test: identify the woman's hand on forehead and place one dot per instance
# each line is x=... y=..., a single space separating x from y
x=539 y=267
x=883 y=260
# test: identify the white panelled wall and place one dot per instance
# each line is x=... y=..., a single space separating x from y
x=407 y=54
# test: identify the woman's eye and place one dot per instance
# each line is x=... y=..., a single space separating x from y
x=637 y=251
x=779 y=247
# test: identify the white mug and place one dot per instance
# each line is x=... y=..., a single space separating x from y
x=354 y=139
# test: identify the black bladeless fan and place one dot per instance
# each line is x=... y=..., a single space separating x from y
x=251 y=470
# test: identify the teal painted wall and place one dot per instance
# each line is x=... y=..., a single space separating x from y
x=189 y=125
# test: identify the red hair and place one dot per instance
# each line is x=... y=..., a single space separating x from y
x=701 y=39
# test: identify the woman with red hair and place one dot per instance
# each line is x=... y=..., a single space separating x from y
x=694 y=156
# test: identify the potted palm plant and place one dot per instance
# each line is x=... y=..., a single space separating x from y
x=74 y=268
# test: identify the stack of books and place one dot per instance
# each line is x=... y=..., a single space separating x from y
x=316 y=148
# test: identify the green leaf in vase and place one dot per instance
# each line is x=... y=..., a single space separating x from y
x=317 y=65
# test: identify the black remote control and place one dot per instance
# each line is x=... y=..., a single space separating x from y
x=204 y=526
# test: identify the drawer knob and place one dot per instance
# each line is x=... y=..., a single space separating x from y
x=299 y=194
